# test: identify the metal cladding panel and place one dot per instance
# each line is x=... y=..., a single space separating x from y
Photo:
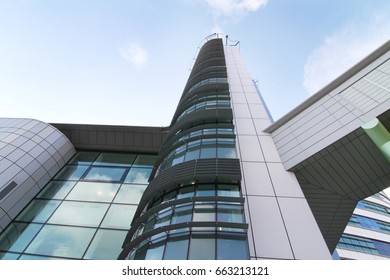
x=31 y=153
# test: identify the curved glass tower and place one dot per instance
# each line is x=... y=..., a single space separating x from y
x=193 y=207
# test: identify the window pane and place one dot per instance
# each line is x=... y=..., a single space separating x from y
x=182 y=215
x=71 y=172
x=56 y=189
x=209 y=148
x=115 y=159
x=176 y=248
x=106 y=245
x=193 y=150
x=93 y=191
x=155 y=251
x=38 y=211
x=209 y=131
x=105 y=174
x=85 y=158
x=145 y=161
x=130 y=194
x=35 y=257
x=205 y=190
x=228 y=190
x=202 y=247
x=185 y=192
x=9 y=256
x=204 y=213
x=226 y=148
x=141 y=252
x=179 y=155
x=17 y=236
x=226 y=244
x=163 y=219
x=230 y=213
x=61 y=241
x=79 y=213
x=138 y=175
x=119 y=216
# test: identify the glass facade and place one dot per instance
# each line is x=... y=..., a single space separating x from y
x=365 y=245
x=368 y=205
x=201 y=149
x=84 y=212
x=369 y=223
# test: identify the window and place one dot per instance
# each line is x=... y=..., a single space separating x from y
x=84 y=212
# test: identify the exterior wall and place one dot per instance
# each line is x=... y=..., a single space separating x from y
x=31 y=153
x=368 y=233
x=337 y=111
x=281 y=224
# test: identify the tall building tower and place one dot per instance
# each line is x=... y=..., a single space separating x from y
x=219 y=189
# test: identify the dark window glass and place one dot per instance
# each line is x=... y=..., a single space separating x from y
x=56 y=189
x=17 y=236
x=179 y=155
x=209 y=148
x=85 y=158
x=226 y=148
x=141 y=252
x=115 y=159
x=204 y=213
x=182 y=215
x=145 y=161
x=185 y=192
x=230 y=213
x=232 y=247
x=71 y=172
x=155 y=251
x=205 y=190
x=202 y=247
x=38 y=211
x=193 y=150
x=176 y=248
x=9 y=256
x=228 y=190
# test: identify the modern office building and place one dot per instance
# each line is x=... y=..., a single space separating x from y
x=367 y=235
x=221 y=182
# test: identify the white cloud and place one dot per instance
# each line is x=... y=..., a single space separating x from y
x=231 y=11
x=235 y=7
x=135 y=54
x=344 y=48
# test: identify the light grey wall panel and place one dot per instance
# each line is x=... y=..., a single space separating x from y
x=256 y=179
x=271 y=236
x=32 y=153
x=337 y=110
x=298 y=221
x=265 y=181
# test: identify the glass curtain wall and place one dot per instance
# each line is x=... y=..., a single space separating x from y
x=84 y=212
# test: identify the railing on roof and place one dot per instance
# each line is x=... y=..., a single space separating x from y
x=213 y=36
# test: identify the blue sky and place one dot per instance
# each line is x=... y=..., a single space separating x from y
x=126 y=62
